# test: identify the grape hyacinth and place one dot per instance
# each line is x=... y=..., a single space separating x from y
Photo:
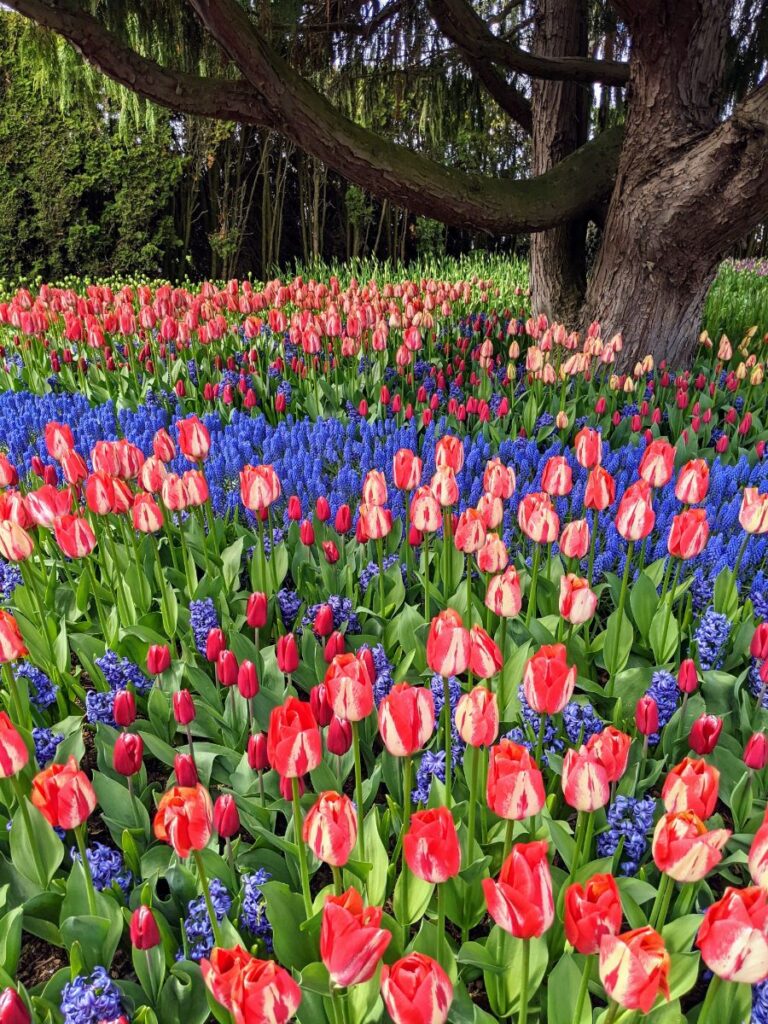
x=384 y=680
x=253 y=916
x=120 y=673
x=665 y=692
x=46 y=743
x=631 y=819
x=90 y=999
x=711 y=637
x=98 y=707
x=107 y=867
x=42 y=692
x=760 y=1003
x=197 y=924
x=581 y=721
x=202 y=619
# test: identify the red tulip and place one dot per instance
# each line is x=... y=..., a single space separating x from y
x=756 y=751
x=186 y=770
x=634 y=968
x=330 y=828
x=58 y=439
x=585 y=782
x=611 y=748
x=416 y=990
x=194 y=439
x=184 y=818
x=635 y=518
x=323 y=623
x=258 y=758
x=515 y=788
x=338 y=739
x=758 y=646
x=294 y=746
x=352 y=942
x=549 y=682
x=343 y=521
x=307 y=533
x=537 y=518
x=691 y=786
x=287 y=654
x=705 y=733
x=449 y=451
x=753 y=514
x=485 y=658
x=733 y=937
x=350 y=687
x=588 y=446
x=647 y=716
x=226 y=819
x=294 y=508
x=692 y=482
x=124 y=708
x=256 y=610
x=252 y=990
x=578 y=602
x=147 y=516
x=247 y=680
x=426 y=516
x=574 y=540
x=689 y=534
x=503 y=595
x=431 y=845
x=406 y=719
x=758 y=857
x=13 y=1009
x=406 y=470
x=521 y=900
x=183 y=707
x=448 y=645
x=226 y=668
x=158 y=659
x=14 y=754
x=63 y=794
x=477 y=717
x=600 y=491
x=74 y=536
x=592 y=911
x=557 y=478
x=683 y=849
x=143 y=929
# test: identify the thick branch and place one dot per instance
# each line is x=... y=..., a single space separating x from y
x=189 y=94
x=510 y=99
x=458 y=20
x=394 y=172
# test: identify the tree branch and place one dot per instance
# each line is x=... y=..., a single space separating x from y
x=189 y=94
x=392 y=171
x=458 y=20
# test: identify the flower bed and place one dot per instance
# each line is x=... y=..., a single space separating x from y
x=377 y=654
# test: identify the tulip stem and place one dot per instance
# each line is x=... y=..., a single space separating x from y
x=613 y=1012
x=474 y=774
x=662 y=901
x=380 y=556
x=217 y=937
x=583 y=989
x=534 y=581
x=709 y=999
x=502 y=695
x=426 y=576
x=89 y=889
x=359 y=788
x=469 y=591
x=21 y=715
x=620 y=613
x=523 y=1015
x=338 y=886
x=447 y=725
x=440 y=920
x=447 y=538
x=41 y=873
x=97 y=600
x=408 y=552
x=507 y=839
x=670 y=604
x=540 y=739
x=299 y=838
x=272 y=564
x=592 y=536
x=407 y=782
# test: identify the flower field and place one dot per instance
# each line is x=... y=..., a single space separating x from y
x=377 y=651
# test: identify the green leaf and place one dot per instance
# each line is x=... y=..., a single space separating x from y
x=231 y=559
x=643 y=601
x=96 y=937
x=43 y=839
x=664 y=635
x=10 y=939
x=563 y=986
x=295 y=947
x=419 y=895
x=725 y=596
x=183 y=997
x=618 y=643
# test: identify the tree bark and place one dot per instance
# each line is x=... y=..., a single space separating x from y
x=560 y=127
x=688 y=187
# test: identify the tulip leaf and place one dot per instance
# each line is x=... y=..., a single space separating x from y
x=619 y=636
x=664 y=635
x=315 y=978
x=97 y=937
x=231 y=558
x=183 y=997
x=725 y=596
x=43 y=839
x=563 y=984
x=419 y=895
x=295 y=947
x=10 y=939
x=643 y=601
x=732 y=1003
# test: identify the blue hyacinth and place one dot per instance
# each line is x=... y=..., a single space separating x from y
x=202 y=619
x=253 y=911
x=46 y=743
x=197 y=924
x=711 y=637
x=581 y=721
x=760 y=1003
x=107 y=867
x=629 y=819
x=91 y=999
x=42 y=692
x=99 y=707
x=666 y=693
x=120 y=673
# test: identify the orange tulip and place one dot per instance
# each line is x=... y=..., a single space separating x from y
x=634 y=968
x=184 y=818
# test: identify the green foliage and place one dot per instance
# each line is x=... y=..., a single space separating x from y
x=75 y=194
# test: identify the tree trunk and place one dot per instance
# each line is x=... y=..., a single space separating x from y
x=560 y=126
x=663 y=236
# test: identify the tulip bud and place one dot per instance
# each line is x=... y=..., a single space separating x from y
x=124 y=708
x=758 y=648
x=226 y=820
x=647 y=716
x=334 y=645
x=158 y=659
x=13 y=1010
x=756 y=751
x=247 y=680
x=256 y=610
x=323 y=623
x=687 y=676
x=294 y=508
x=343 y=520
x=257 y=752
x=321 y=707
x=186 y=772
x=705 y=733
x=338 y=739
x=183 y=707
x=128 y=753
x=226 y=668
x=307 y=533
x=287 y=654
x=215 y=644
x=144 y=931
x=330 y=551
x=322 y=510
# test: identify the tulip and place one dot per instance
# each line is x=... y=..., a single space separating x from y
x=592 y=911
x=158 y=659
x=687 y=676
x=611 y=748
x=406 y=719
x=689 y=534
x=256 y=610
x=343 y=521
x=520 y=901
x=691 y=786
x=143 y=929
x=128 y=754
x=375 y=488
x=758 y=646
x=186 y=771
x=16 y=545
x=350 y=687
x=449 y=451
x=63 y=794
x=683 y=849
x=635 y=517
x=538 y=519
x=287 y=654
x=431 y=845
x=503 y=596
x=194 y=439
x=574 y=540
x=294 y=745
x=226 y=668
x=258 y=756
x=753 y=514
x=252 y=990
x=758 y=857
x=184 y=819
x=147 y=516
x=485 y=658
x=322 y=509
x=705 y=733
x=499 y=480
x=634 y=968
x=321 y=706
x=444 y=487
x=756 y=752
x=492 y=556
x=646 y=716
x=58 y=439
x=548 y=681
x=425 y=511
x=692 y=482
x=183 y=707
x=733 y=937
x=416 y=990
x=477 y=717
x=14 y=754
x=600 y=491
x=585 y=781
x=259 y=487
x=557 y=478
x=588 y=446
x=294 y=508
x=323 y=624
x=657 y=463
x=406 y=469
x=226 y=819
x=13 y=1009
x=515 y=788
x=247 y=680
x=470 y=531
x=74 y=536
x=448 y=644
x=352 y=942
x=330 y=828
x=577 y=601
x=335 y=644
x=124 y=708
x=338 y=739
